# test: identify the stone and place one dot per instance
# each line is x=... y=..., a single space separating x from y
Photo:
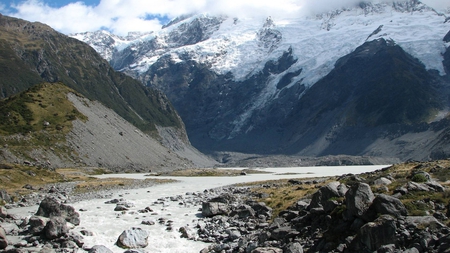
x=50 y=207
x=120 y=208
x=187 y=232
x=100 y=249
x=382 y=181
x=293 y=247
x=384 y=204
x=3 y=212
x=3 y=239
x=325 y=193
x=56 y=227
x=210 y=209
x=36 y=224
x=133 y=238
x=375 y=234
x=267 y=250
x=148 y=222
x=260 y=208
x=4 y=196
x=358 y=199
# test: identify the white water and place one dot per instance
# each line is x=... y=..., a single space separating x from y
x=107 y=224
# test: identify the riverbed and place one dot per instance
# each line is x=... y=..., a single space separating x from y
x=106 y=224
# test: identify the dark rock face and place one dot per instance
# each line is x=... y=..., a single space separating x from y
x=376 y=92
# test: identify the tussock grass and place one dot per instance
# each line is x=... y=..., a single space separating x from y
x=13 y=177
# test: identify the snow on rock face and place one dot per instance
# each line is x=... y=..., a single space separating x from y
x=243 y=46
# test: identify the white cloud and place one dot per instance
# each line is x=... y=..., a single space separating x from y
x=122 y=16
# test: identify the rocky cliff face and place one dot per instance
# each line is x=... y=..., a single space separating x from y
x=364 y=80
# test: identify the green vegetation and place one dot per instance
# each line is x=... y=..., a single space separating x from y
x=36 y=53
x=13 y=177
x=44 y=107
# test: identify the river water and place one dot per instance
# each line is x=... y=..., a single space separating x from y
x=107 y=224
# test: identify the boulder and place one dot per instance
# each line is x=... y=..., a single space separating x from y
x=50 y=207
x=133 y=238
x=267 y=250
x=243 y=211
x=36 y=224
x=382 y=181
x=293 y=247
x=3 y=240
x=327 y=192
x=260 y=208
x=384 y=204
x=100 y=249
x=358 y=199
x=210 y=209
x=56 y=227
x=374 y=235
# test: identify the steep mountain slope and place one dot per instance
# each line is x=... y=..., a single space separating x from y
x=352 y=81
x=32 y=53
x=65 y=129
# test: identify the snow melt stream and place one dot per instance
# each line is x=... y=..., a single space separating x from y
x=107 y=224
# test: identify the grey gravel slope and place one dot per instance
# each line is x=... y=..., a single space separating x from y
x=107 y=140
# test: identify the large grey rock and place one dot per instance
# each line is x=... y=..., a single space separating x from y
x=133 y=238
x=384 y=204
x=382 y=181
x=375 y=234
x=56 y=227
x=100 y=249
x=210 y=209
x=327 y=192
x=36 y=224
x=50 y=207
x=260 y=208
x=358 y=199
x=3 y=240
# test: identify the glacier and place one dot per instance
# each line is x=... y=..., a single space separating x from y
x=317 y=41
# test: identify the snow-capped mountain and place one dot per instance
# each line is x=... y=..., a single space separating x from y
x=241 y=84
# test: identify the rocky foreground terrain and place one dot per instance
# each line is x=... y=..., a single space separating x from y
x=402 y=208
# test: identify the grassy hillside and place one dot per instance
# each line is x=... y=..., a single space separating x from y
x=32 y=53
x=39 y=117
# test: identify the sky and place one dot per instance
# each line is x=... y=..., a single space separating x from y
x=123 y=16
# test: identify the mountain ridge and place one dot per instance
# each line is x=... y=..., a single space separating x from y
x=242 y=88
